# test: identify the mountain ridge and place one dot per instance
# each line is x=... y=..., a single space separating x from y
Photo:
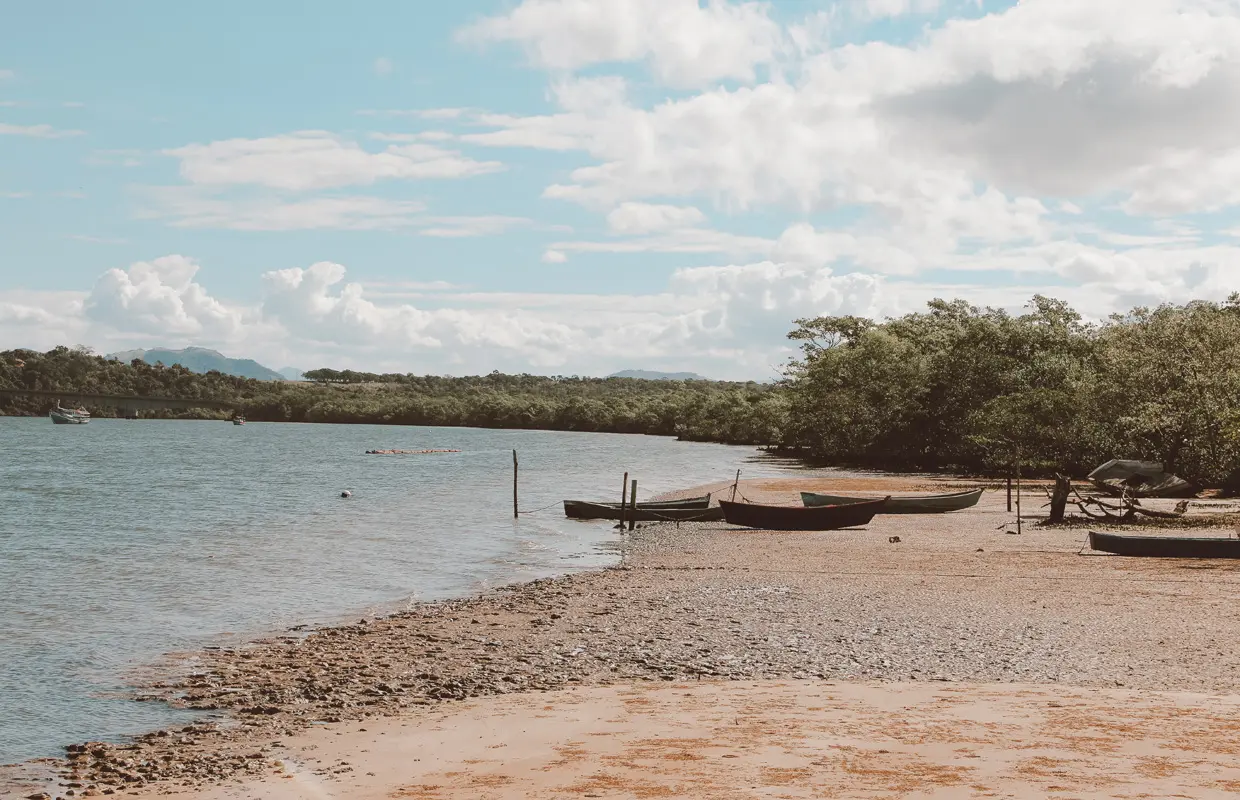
x=201 y=360
x=653 y=375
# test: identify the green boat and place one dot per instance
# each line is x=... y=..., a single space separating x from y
x=690 y=509
x=925 y=504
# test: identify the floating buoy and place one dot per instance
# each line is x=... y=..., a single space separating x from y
x=346 y=493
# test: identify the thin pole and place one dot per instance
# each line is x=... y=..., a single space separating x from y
x=514 y=485
x=633 y=503
x=1018 y=522
x=738 y=480
x=1009 y=491
x=624 y=497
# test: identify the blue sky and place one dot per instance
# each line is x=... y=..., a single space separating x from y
x=579 y=186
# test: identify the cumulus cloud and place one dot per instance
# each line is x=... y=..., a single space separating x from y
x=318 y=160
x=160 y=297
x=961 y=136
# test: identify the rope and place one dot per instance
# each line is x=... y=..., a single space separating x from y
x=544 y=508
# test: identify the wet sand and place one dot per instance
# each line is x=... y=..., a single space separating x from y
x=1137 y=653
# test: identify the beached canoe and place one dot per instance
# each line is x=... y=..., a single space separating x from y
x=1165 y=546
x=694 y=510
x=926 y=504
x=800 y=518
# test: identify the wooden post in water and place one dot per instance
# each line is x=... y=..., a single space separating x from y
x=624 y=497
x=515 y=514
x=633 y=504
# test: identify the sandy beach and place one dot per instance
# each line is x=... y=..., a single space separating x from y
x=959 y=660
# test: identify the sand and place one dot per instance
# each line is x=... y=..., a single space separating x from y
x=974 y=657
x=774 y=739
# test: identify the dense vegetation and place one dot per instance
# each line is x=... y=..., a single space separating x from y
x=741 y=413
x=953 y=387
x=957 y=386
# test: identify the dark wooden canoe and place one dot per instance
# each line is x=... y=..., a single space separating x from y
x=1165 y=546
x=695 y=508
x=800 y=518
x=926 y=504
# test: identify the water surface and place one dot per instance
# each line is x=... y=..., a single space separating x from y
x=125 y=539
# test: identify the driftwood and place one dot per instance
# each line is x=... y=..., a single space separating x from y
x=1125 y=510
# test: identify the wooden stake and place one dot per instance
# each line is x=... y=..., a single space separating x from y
x=514 y=485
x=624 y=498
x=734 y=483
x=1009 y=490
x=633 y=504
x=1019 y=530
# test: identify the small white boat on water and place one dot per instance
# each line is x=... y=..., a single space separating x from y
x=69 y=416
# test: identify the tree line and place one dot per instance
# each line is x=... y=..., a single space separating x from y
x=736 y=413
x=954 y=387
x=961 y=387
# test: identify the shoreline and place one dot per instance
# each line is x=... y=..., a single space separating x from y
x=705 y=603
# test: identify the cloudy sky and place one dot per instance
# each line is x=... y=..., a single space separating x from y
x=579 y=186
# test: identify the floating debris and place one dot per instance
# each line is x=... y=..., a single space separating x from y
x=406 y=452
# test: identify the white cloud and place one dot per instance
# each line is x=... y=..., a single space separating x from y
x=160 y=297
x=317 y=160
x=7 y=74
x=41 y=131
x=419 y=113
x=965 y=134
x=554 y=257
x=726 y=320
x=879 y=9
x=686 y=44
x=458 y=227
x=642 y=218
x=383 y=67
x=187 y=207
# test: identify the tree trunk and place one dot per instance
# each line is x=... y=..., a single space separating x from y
x=1059 y=497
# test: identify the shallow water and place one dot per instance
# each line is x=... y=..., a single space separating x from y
x=122 y=540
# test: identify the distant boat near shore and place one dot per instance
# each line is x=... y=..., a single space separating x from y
x=69 y=416
x=238 y=420
x=926 y=504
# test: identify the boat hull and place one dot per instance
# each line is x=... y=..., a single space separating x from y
x=68 y=419
x=1165 y=546
x=695 y=510
x=929 y=504
x=800 y=518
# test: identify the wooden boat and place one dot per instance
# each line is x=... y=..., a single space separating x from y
x=69 y=416
x=801 y=518
x=690 y=509
x=926 y=504
x=238 y=420
x=1165 y=546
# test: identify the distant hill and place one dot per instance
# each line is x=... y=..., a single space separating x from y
x=200 y=359
x=648 y=375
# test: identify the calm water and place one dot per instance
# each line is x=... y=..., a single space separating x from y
x=122 y=540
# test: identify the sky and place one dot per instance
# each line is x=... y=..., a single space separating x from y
x=582 y=186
